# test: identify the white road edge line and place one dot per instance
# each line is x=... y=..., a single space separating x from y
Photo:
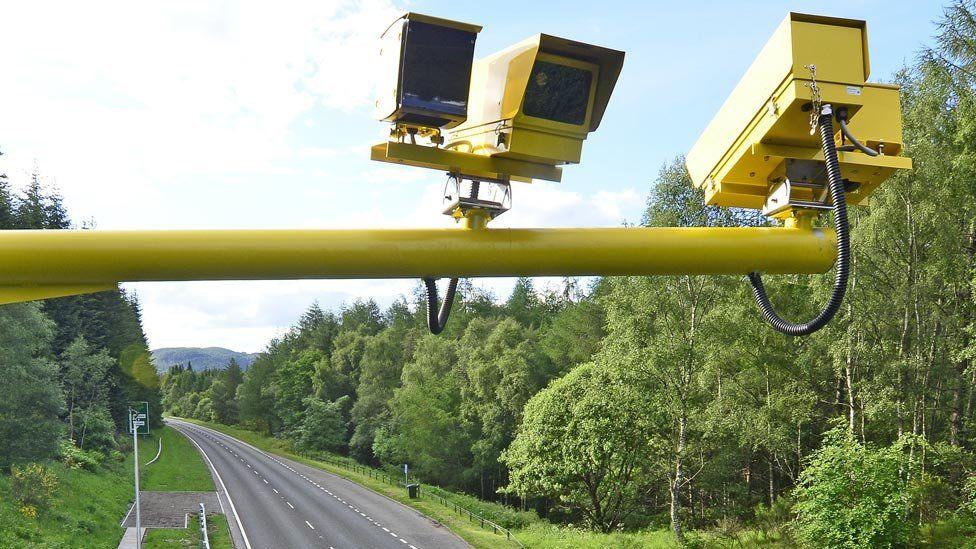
x=274 y=458
x=126 y=517
x=247 y=543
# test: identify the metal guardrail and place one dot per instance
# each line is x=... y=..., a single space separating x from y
x=205 y=536
x=425 y=491
x=473 y=517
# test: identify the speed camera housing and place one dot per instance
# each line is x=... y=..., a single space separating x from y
x=529 y=109
x=426 y=71
x=761 y=137
x=538 y=100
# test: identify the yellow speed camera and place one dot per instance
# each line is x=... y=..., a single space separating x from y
x=426 y=71
x=529 y=108
x=761 y=142
x=537 y=100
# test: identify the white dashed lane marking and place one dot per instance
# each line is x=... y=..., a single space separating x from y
x=313 y=483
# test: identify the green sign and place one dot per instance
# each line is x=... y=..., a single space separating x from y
x=139 y=417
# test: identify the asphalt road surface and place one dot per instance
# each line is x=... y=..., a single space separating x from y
x=273 y=502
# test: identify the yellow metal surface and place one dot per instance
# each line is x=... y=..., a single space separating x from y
x=472 y=165
x=84 y=261
x=520 y=147
x=765 y=121
x=17 y=294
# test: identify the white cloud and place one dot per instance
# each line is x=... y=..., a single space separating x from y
x=122 y=98
x=233 y=114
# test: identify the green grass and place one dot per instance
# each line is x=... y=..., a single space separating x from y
x=180 y=468
x=164 y=538
x=88 y=505
x=548 y=536
x=86 y=512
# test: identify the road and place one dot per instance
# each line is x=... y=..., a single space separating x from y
x=279 y=503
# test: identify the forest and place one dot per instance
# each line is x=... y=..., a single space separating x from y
x=70 y=366
x=625 y=403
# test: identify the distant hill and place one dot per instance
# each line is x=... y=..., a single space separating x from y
x=205 y=358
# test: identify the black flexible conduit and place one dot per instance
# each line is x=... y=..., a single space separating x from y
x=836 y=189
x=436 y=320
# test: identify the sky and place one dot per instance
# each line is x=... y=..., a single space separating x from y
x=193 y=115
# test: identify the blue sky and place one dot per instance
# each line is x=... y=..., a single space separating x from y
x=246 y=114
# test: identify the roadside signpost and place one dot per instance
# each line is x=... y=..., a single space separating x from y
x=138 y=425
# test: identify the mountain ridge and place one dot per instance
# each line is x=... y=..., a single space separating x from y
x=202 y=358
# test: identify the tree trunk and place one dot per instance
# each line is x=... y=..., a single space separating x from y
x=678 y=481
x=850 y=393
x=955 y=417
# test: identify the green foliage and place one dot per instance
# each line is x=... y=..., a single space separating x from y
x=97 y=430
x=969 y=489
x=33 y=487
x=32 y=401
x=774 y=519
x=76 y=458
x=323 y=428
x=85 y=511
x=585 y=440
x=427 y=413
x=852 y=495
x=380 y=370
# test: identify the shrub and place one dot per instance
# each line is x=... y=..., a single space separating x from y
x=851 y=495
x=323 y=427
x=773 y=519
x=75 y=458
x=33 y=486
x=969 y=489
x=98 y=430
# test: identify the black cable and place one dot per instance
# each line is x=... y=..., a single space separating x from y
x=842 y=120
x=436 y=320
x=836 y=189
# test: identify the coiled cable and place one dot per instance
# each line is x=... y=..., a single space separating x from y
x=836 y=189
x=436 y=320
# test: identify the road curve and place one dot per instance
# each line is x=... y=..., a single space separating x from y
x=282 y=504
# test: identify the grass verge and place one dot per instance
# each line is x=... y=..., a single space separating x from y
x=85 y=513
x=179 y=467
x=549 y=536
x=165 y=538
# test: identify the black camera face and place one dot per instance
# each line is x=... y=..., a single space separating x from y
x=436 y=69
x=559 y=93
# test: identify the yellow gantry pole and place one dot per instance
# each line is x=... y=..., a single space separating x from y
x=36 y=264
